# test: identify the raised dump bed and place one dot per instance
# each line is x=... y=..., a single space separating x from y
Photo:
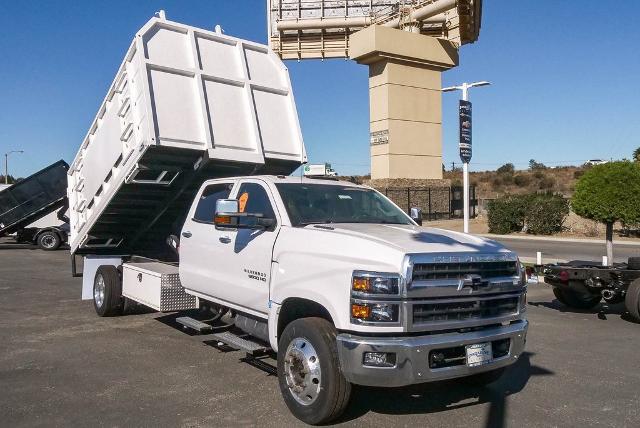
x=186 y=105
x=33 y=198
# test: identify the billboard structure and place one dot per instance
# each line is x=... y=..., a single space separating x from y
x=406 y=44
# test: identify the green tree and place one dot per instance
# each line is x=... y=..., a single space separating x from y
x=11 y=179
x=636 y=155
x=609 y=193
x=507 y=168
x=535 y=166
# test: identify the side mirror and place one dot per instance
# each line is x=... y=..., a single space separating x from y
x=416 y=215
x=227 y=214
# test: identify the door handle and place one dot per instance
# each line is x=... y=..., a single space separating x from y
x=224 y=239
x=186 y=234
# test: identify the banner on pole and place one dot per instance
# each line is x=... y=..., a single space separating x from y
x=465 y=131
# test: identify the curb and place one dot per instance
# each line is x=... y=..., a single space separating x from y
x=574 y=240
x=532 y=260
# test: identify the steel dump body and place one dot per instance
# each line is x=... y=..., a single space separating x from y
x=33 y=198
x=186 y=105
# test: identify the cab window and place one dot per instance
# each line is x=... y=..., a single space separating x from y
x=253 y=198
x=206 y=209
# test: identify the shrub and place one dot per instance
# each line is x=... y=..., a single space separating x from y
x=507 y=168
x=546 y=214
x=538 y=214
x=539 y=174
x=578 y=173
x=507 y=179
x=547 y=183
x=506 y=214
x=497 y=181
x=522 y=180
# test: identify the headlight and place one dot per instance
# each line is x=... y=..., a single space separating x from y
x=375 y=283
x=370 y=292
x=522 y=281
x=374 y=312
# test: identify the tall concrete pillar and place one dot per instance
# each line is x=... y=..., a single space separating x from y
x=405 y=102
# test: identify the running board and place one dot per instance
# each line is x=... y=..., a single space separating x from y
x=239 y=342
x=194 y=324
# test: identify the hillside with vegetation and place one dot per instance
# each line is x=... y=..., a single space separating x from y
x=507 y=180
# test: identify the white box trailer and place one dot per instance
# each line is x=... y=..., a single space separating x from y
x=186 y=105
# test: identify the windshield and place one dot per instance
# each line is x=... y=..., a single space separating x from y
x=326 y=203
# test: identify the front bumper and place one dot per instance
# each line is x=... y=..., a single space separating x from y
x=412 y=354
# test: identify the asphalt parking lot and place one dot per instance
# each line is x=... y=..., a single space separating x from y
x=61 y=365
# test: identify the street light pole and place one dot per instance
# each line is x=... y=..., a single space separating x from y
x=464 y=88
x=6 y=164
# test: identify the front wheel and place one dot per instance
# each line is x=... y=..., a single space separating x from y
x=309 y=375
x=632 y=300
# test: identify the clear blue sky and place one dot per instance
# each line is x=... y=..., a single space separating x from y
x=565 y=79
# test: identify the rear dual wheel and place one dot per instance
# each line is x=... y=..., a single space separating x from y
x=49 y=240
x=632 y=300
x=107 y=292
x=576 y=296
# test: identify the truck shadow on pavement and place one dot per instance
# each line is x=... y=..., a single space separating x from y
x=10 y=244
x=447 y=395
x=601 y=311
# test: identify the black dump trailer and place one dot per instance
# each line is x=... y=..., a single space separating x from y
x=32 y=199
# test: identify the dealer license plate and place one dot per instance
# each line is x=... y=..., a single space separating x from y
x=479 y=354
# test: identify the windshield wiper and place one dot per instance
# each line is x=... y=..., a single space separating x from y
x=307 y=223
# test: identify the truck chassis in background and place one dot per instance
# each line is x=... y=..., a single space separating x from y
x=582 y=285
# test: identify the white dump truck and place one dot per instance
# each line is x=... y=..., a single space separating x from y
x=319 y=170
x=181 y=199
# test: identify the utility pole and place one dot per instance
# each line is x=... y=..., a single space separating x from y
x=465 y=146
x=6 y=164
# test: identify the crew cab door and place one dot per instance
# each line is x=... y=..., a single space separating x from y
x=203 y=248
x=250 y=250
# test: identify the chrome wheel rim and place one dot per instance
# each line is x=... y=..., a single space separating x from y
x=48 y=241
x=98 y=291
x=302 y=371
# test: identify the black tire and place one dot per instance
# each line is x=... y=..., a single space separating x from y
x=111 y=302
x=333 y=391
x=558 y=293
x=49 y=240
x=483 y=379
x=632 y=300
x=577 y=296
x=633 y=263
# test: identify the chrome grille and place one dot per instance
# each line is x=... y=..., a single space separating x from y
x=458 y=270
x=463 y=310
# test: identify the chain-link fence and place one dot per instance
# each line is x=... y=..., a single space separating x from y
x=435 y=202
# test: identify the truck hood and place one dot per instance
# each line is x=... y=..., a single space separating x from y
x=414 y=239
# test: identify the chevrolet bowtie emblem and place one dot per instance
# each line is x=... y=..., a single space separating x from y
x=472 y=281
